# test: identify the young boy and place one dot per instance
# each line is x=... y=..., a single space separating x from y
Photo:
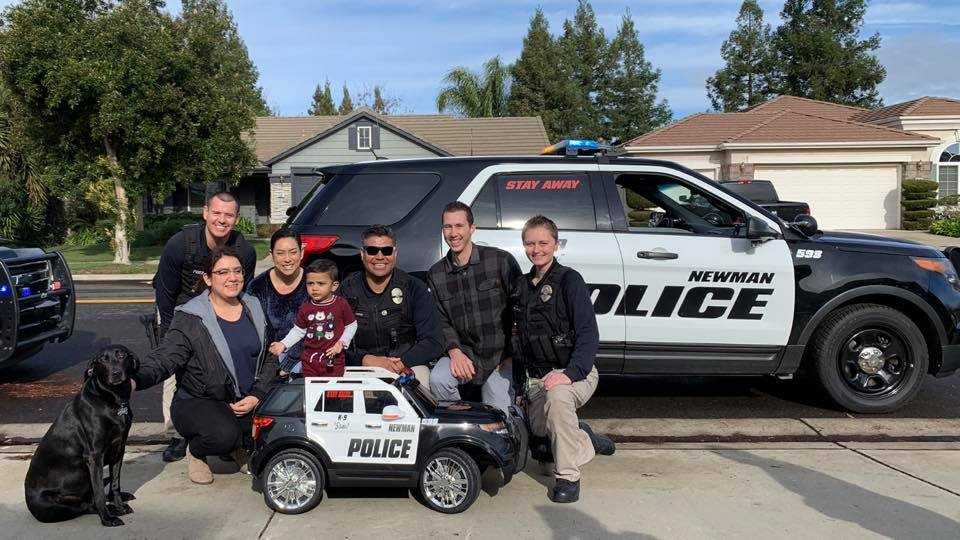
x=325 y=320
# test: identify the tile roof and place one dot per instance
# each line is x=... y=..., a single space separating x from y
x=925 y=106
x=519 y=135
x=785 y=126
x=809 y=106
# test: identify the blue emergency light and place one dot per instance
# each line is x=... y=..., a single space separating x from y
x=575 y=147
x=5 y=291
x=25 y=292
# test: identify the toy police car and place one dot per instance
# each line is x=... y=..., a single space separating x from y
x=370 y=428
x=686 y=277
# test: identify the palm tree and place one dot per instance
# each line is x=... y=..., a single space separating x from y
x=476 y=95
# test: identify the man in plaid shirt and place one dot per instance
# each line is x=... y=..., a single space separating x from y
x=472 y=286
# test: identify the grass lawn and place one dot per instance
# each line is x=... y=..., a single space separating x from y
x=99 y=259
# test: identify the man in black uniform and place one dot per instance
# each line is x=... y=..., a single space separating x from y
x=179 y=271
x=398 y=325
x=557 y=341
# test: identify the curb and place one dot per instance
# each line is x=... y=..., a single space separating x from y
x=111 y=277
x=659 y=431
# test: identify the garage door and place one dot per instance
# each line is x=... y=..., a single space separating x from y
x=841 y=197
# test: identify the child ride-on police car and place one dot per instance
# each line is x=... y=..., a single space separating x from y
x=370 y=428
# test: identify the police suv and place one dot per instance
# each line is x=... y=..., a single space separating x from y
x=370 y=428
x=686 y=277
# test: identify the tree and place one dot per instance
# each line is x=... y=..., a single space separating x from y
x=584 y=47
x=125 y=95
x=377 y=100
x=629 y=97
x=379 y=105
x=542 y=81
x=476 y=95
x=322 y=102
x=346 y=104
x=821 y=56
x=748 y=76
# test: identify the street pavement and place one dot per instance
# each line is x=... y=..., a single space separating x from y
x=795 y=491
x=36 y=389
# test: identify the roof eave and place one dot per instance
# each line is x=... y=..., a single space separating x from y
x=673 y=148
x=924 y=143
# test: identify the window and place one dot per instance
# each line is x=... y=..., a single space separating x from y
x=286 y=400
x=660 y=204
x=948 y=169
x=338 y=401
x=485 y=207
x=374 y=401
x=362 y=199
x=563 y=197
x=364 y=136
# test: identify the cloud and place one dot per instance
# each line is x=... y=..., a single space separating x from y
x=920 y=64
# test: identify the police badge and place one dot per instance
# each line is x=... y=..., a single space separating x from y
x=546 y=293
x=397 y=295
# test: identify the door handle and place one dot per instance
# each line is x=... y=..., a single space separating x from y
x=656 y=255
x=373 y=425
x=320 y=424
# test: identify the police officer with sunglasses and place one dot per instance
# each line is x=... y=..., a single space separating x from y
x=398 y=324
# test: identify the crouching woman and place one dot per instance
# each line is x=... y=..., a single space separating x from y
x=216 y=349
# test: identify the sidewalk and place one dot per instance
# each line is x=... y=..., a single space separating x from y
x=773 y=490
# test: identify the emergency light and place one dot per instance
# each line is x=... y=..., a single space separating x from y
x=5 y=291
x=575 y=147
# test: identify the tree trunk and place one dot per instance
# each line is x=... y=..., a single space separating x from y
x=121 y=253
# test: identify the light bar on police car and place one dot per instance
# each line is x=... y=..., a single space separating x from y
x=575 y=147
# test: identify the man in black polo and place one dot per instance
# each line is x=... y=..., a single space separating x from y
x=179 y=272
x=397 y=324
x=472 y=285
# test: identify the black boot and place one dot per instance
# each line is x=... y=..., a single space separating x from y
x=176 y=450
x=565 y=491
x=601 y=445
x=540 y=449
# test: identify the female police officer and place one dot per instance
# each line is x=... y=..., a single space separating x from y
x=558 y=339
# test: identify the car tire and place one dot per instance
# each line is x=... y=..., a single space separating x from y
x=853 y=341
x=303 y=470
x=449 y=481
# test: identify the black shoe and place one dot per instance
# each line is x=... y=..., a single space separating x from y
x=540 y=449
x=565 y=491
x=176 y=451
x=601 y=445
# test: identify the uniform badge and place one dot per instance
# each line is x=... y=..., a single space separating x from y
x=397 y=295
x=546 y=293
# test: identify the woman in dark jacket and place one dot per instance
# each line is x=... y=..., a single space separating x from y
x=216 y=347
x=281 y=291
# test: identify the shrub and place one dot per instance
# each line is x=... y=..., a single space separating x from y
x=918 y=197
x=245 y=226
x=946 y=227
x=266 y=230
x=919 y=186
x=921 y=204
x=157 y=229
x=84 y=234
x=916 y=215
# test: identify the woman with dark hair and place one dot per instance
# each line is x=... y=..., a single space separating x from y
x=281 y=291
x=216 y=347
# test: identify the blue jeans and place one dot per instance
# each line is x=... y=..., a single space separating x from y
x=497 y=390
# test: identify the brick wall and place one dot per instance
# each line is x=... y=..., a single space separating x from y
x=281 y=198
x=737 y=171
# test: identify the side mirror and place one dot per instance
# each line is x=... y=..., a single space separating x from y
x=292 y=210
x=760 y=230
x=391 y=413
x=806 y=224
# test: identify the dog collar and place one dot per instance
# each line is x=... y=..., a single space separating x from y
x=123 y=410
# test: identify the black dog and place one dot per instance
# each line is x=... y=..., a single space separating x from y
x=65 y=479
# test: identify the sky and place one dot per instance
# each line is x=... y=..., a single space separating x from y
x=407 y=46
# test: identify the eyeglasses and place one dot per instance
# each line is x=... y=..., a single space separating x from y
x=226 y=272
x=373 y=250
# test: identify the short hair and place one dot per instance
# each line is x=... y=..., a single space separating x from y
x=324 y=266
x=457 y=206
x=210 y=262
x=378 y=230
x=224 y=196
x=280 y=234
x=541 y=221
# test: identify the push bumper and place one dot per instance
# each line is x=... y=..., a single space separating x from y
x=950 y=360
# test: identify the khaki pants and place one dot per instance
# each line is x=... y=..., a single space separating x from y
x=422 y=373
x=169 y=389
x=553 y=414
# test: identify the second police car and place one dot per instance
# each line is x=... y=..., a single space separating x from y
x=686 y=277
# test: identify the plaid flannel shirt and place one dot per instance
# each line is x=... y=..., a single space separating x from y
x=474 y=305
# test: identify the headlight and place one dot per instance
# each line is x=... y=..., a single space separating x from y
x=940 y=266
x=499 y=428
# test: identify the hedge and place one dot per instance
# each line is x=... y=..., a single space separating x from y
x=914 y=196
x=921 y=225
x=918 y=197
x=918 y=186
x=916 y=215
x=921 y=204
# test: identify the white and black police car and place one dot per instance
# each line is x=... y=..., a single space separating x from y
x=370 y=428
x=686 y=277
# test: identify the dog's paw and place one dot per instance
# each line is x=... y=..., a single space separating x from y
x=111 y=521
x=124 y=496
x=119 y=509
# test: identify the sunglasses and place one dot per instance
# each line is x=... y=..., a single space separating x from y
x=373 y=250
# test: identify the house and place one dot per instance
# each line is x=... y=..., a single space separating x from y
x=290 y=149
x=846 y=162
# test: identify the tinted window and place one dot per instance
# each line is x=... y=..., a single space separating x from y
x=485 y=206
x=755 y=191
x=655 y=202
x=374 y=401
x=286 y=400
x=338 y=401
x=563 y=197
x=362 y=199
